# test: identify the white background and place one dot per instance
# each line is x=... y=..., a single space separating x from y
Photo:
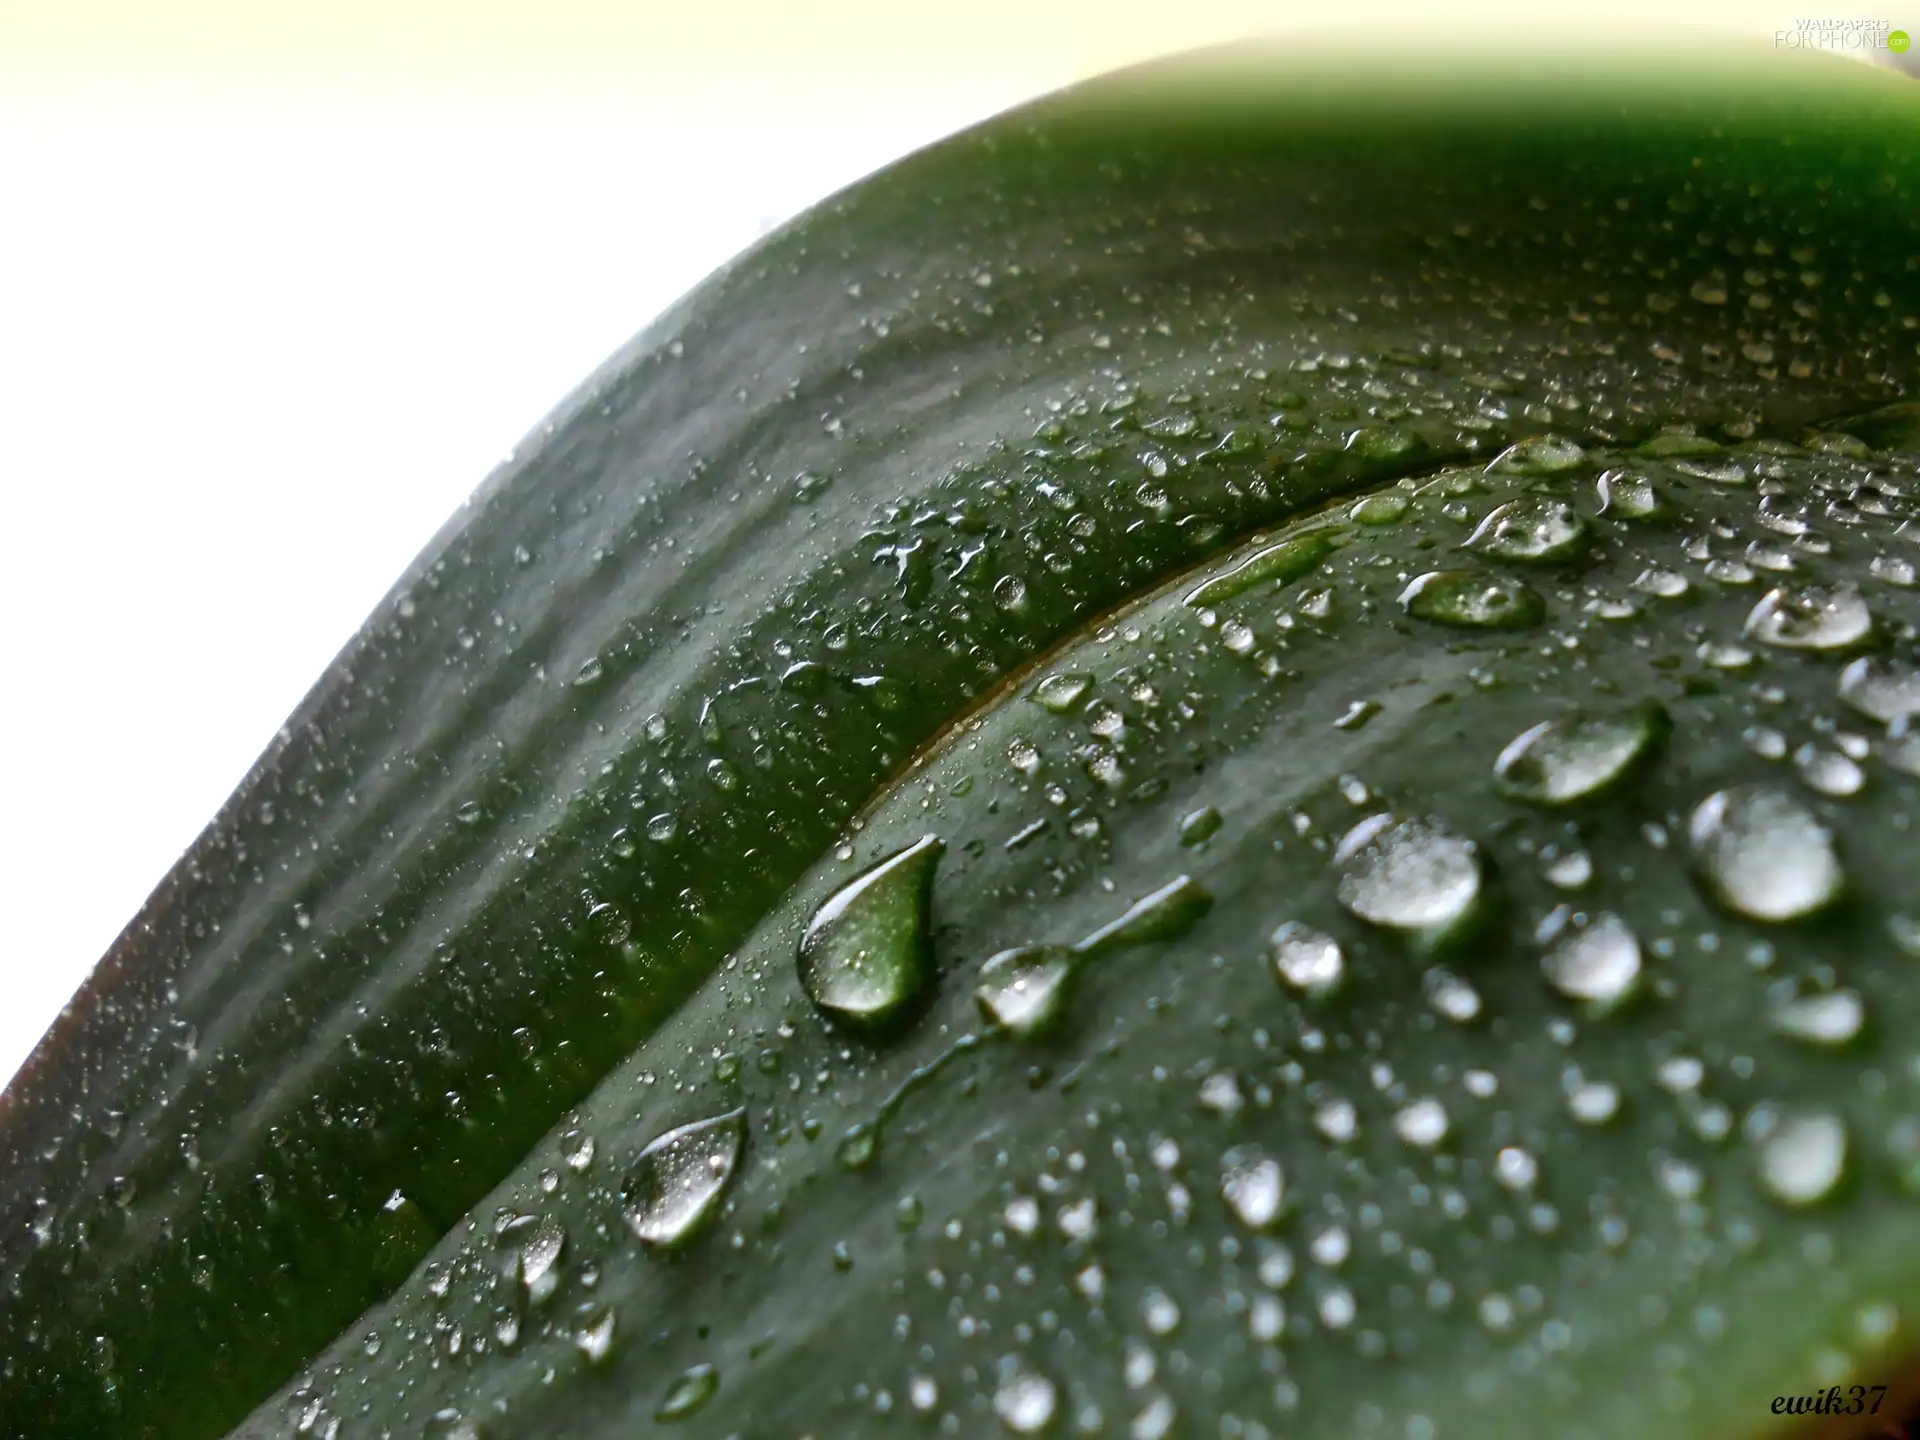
x=270 y=309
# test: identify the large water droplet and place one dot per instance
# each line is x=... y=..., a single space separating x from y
x=676 y=1183
x=1578 y=755
x=1473 y=600
x=867 y=952
x=1801 y=1156
x=1539 y=455
x=1881 y=690
x=689 y=1393
x=1598 y=964
x=1534 y=528
x=1407 y=873
x=1626 y=496
x=1810 y=619
x=1759 y=851
x=1024 y=990
x=1060 y=693
x=540 y=1259
x=1307 y=959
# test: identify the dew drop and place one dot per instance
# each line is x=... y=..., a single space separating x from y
x=1578 y=755
x=866 y=953
x=1407 y=873
x=1814 y=618
x=1761 y=852
x=1473 y=600
x=1599 y=964
x=1060 y=693
x=689 y=1393
x=676 y=1183
x=1801 y=1155
x=1533 y=529
x=1254 y=1188
x=1306 y=959
x=1024 y=990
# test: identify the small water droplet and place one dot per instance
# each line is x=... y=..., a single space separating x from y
x=1814 y=618
x=676 y=1183
x=866 y=953
x=1024 y=1399
x=1024 y=990
x=1829 y=771
x=689 y=1393
x=1281 y=563
x=1598 y=964
x=1626 y=496
x=594 y=1338
x=1535 y=529
x=1060 y=693
x=1254 y=1188
x=1833 y=1017
x=1407 y=873
x=1450 y=995
x=1199 y=826
x=1881 y=690
x=1578 y=755
x=1539 y=455
x=1422 y=1124
x=1662 y=583
x=1801 y=1154
x=1570 y=871
x=1307 y=959
x=1760 y=851
x=1165 y=914
x=1473 y=600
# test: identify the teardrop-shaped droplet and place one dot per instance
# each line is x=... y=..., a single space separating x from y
x=867 y=952
x=540 y=1259
x=1060 y=693
x=689 y=1393
x=1254 y=1187
x=1882 y=690
x=1539 y=455
x=1813 y=618
x=1626 y=496
x=1277 y=564
x=676 y=1183
x=1165 y=914
x=1473 y=600
x=1599 y=963
x=1024 y=990
x=1407 y=873
x=1801 y=1156
x=1537 y=529
x=1307 y=959
x=1760 y=851
x=1578 y=755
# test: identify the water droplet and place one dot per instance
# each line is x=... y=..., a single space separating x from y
x=1473 y=600
x=1166 y=914
x=1254 y=1188
x=594 y=1338
x=1450 y=995
x=1515 y=1168
x=1593 y=1102
x=866 y=953
x=1281 y=563
x=676 y=1183
x=1060 y=693
x=1578 y=755
x=686 y=1396
x=1625 y=496
x=1760 y=851
x=1802 y=1154
x=1010 y=593
x=1533 y=529
x=540 y=1259
x=1539 y=455
x=1307 y=959
x=1024 y=990
x=1828 y=771
x=1386 y=508
x=1599 y=963
x=1199 y=826
x=1024 y=1399
x=1570 y=871
x=1810 y=619
x=1834 y=1017
x=1407 y=873
x=1665 y=584
x=1881 y=690
x=1423 y=1123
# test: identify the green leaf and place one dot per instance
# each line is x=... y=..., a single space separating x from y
x=487 y=1067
